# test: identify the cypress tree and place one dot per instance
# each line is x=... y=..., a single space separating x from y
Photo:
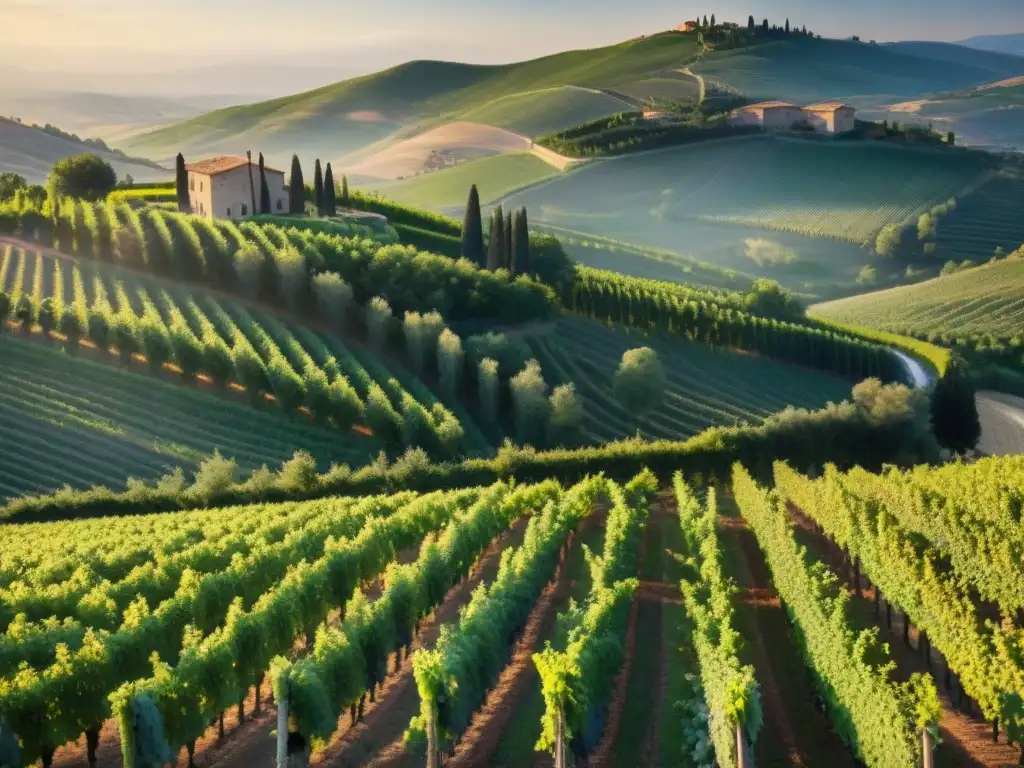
x=524 y=265
x=712 y=19
x=264 y=189
x=513 y=251
x=318 y=188
x=473 y=231
x=252 y=186
x=330 y=204
x=497 y=241
x=750 y=23
x=506 y=255
x=296 y=188
x=345 y=201
x=954 y=412
x=787 y=26
x=181 y=184
x=705 y=24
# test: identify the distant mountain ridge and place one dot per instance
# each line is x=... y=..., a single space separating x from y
x=1012 y=43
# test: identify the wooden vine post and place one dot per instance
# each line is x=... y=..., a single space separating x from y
x=433 y=755
x=744 y=755
x=927 y=749
x=282 y=732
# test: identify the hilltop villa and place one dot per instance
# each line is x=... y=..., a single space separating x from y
x=828 y=117
x=219 y=187
x=688 y=26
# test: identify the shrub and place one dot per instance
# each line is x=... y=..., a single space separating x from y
x=378 y=322
x=421 y=335
x=84 y=176
x=215 y=475
x=333 y=297
x=639 y=383
x=530 y=401
x=381 y=416
x=488 y=382
x=298 y=474
x=565 y=427
x=450 y=362
x=249 y=269
x=345 y=405
x=294 y=276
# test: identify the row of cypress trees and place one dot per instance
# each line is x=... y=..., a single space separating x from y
x=508 y=238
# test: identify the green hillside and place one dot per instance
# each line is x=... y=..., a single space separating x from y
x=340 y=118
x=706 y=386
x=803 y=69
x=344 y=117
x=987 y=219
x=536 y=113
x=771 y=206
x=989 y=299
x=72 y=421
x=990 y=116
x=494 y=176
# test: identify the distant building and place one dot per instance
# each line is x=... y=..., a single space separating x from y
x=831 y=117
x=219 y=187
x=653 y=114
x=688 y=26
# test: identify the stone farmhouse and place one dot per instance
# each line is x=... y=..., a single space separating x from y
x=688 y=26
x=828 y=117
x=219 y=187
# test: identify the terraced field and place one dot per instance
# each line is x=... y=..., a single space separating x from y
x=989 y=299
x=706 y=386
x=987 y=219
x=72 y=421
x=846 y=191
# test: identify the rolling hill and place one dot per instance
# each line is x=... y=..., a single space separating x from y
x=990 y=115
x=559 y=91
x=793 y=209
x=989 y=299
x=32 y=152
x=804 y=69
x=495 y=177
x=341 y=118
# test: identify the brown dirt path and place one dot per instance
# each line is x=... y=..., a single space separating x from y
x=604 y=753
x=378 y=737
x=481 y=738
x=966 y=736
x=795 y=731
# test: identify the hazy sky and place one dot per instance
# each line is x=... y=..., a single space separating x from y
x=155 y=35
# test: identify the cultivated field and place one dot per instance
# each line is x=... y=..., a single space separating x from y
x=74 y=421
x=706 y=386
x=494 y=176
x=814 y=188
x=448 y=619
x=989 y=299
x=984 y=220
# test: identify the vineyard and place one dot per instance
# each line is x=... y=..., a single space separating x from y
x=987 y=219
x=518 y=624
x=236 y=350
x=820 y=189
x=985 y=300
x=705 y=385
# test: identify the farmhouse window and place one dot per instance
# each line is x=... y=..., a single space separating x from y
x=229 y=213
x=192 y=183
x=279 y=205
x=245 y=209
x=200 y=186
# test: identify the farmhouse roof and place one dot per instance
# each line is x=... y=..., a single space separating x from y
x=827 y=106
x=222 y=164
x=771 y=105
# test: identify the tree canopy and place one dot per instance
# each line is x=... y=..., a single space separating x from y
x=85 y=177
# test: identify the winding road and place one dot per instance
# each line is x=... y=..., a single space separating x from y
x=1001 y=415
